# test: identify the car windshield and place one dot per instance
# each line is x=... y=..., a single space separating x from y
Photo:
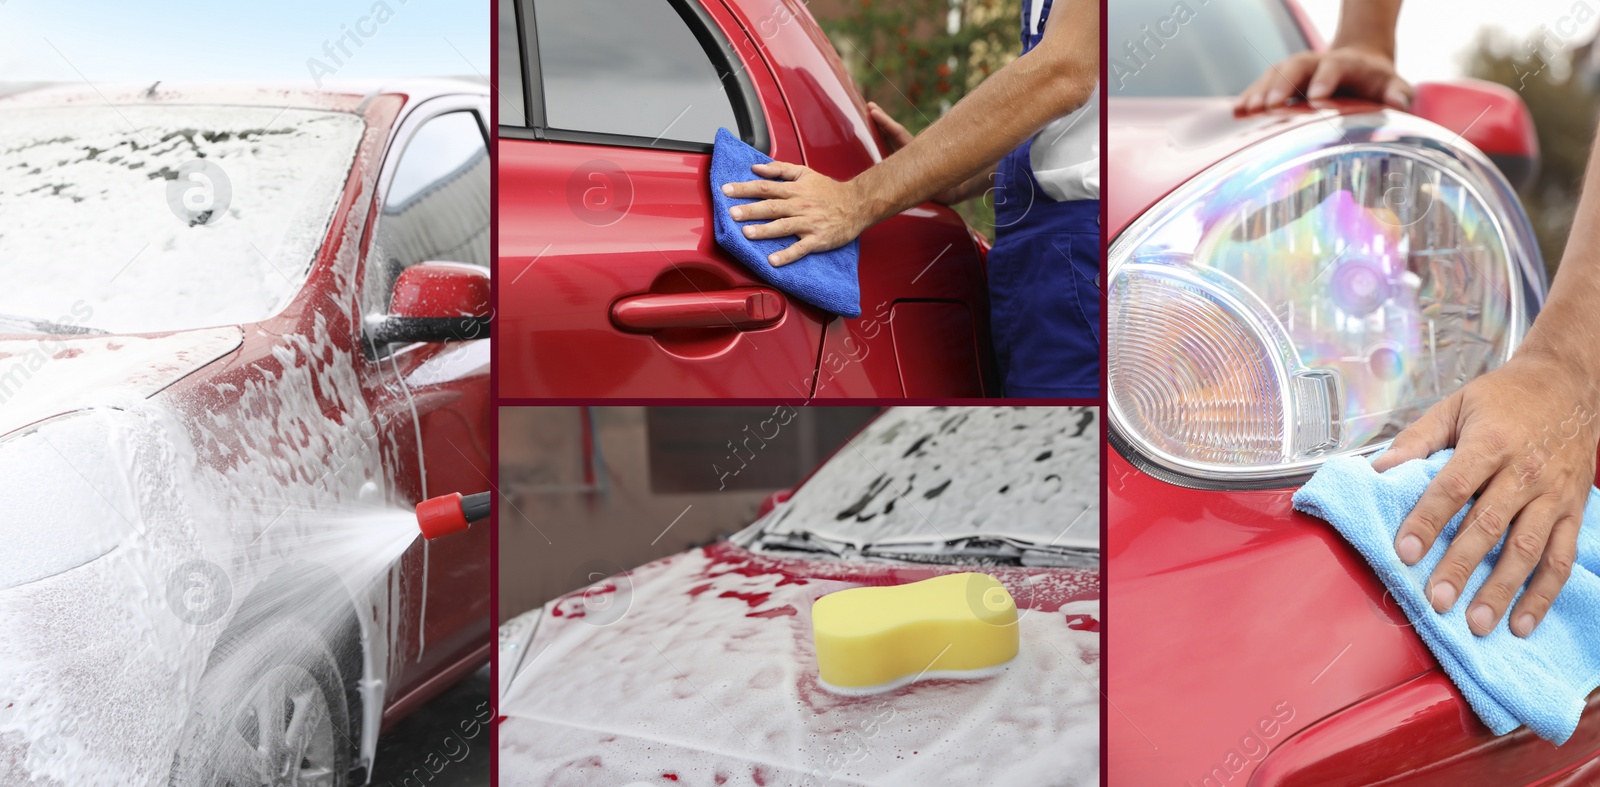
x=142 y=219
x=1161 y=48
x=1015 y=485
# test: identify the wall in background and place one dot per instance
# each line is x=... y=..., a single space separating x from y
x=589 y=492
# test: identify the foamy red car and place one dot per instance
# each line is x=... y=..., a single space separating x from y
x=606 y=116
x=243 y=330
x=1287 y=287
x=699 y=667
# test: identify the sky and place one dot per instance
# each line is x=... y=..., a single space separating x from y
x=1435 y=34
x=52 y=40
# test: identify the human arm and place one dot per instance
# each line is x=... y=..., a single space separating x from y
x=897 y=137
x=1051 y=81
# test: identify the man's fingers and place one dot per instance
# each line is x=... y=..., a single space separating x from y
x=896 y=134
x=1398 y=94
x=1288 y=77
x=799 y=249
x=756 y=189
x=774 y=229
x=1460 y=478
x=1326 y=78
x=1254 y=97
x=1478 y=534
x=1552 y=573
x=1434 y=431
x=1524 y=548
x=779 y=169
x=766 y=209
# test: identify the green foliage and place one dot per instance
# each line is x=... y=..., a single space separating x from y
x=903 y=56
x=1564 y=112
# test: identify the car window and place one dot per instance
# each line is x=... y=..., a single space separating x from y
x=1191 y=49
x=935 y=474
x=144 y=218
x=513 y=109
x=436 y=208
x=628 y=67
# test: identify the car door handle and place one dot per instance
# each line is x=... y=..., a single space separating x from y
x=742 y=308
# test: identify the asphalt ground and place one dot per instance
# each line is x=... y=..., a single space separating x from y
x=443 y=744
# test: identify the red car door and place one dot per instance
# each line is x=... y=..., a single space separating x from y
x=607 y=112
x=431 y=399
x=924 y=324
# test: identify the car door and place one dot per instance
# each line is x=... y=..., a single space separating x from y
x=924 y=324
x=606 y=115
x=432 y=399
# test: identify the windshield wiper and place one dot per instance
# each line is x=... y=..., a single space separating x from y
x=37 y=325
x=986 y=551
x=802 y=541
x=969 y=550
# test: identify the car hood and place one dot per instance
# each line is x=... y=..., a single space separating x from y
x=700 y=668
x=1304 y=665
x=42 y=377
x=1158 y=144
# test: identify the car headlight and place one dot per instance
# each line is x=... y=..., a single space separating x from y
x=1310 y=297
x=64 y=500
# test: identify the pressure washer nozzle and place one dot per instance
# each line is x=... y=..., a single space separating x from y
x=446 y=514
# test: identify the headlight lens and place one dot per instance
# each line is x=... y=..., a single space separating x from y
x=1311 y=297
x=64 y=500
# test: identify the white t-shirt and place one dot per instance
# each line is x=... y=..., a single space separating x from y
x=1066 y=153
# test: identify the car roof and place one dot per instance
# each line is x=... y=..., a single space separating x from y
x=334 y=94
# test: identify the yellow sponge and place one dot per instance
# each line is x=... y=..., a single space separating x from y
x=874 y=638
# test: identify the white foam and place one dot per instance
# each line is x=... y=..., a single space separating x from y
x=906 y=680
x=85 y=212
x=686 y=682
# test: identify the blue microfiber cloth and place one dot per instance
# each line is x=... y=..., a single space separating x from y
x=1540 y=681
x=823 y=279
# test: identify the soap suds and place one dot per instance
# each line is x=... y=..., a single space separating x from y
x=916 y=473
x=705 y=668
x=105 y=634
x=204 y=500
x=693 y=685
x=85 y=212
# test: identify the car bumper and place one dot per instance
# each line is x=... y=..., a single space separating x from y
x=97 y=676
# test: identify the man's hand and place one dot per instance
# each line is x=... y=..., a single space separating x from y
x=1360 y=64
x=1525 y=438
x=1353 y=71
x=893 y=133
x=1054 y=79
x=824 y=213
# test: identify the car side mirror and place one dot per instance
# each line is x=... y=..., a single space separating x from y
x=1490 y=116
x=771 y=501
x=436 y=302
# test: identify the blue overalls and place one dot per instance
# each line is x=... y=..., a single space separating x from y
x=1044 y=285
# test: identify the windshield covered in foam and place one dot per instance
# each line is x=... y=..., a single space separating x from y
x=135 y=219
x=920 y=475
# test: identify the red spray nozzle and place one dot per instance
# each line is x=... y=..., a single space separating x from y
x=446 y=514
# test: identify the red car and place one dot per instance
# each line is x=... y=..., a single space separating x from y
x=1288 y=287
x=699 y=668
x=610 y=282
x=243 y=331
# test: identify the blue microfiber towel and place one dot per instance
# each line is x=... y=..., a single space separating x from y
x=1540 y=681
x=823 y=279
